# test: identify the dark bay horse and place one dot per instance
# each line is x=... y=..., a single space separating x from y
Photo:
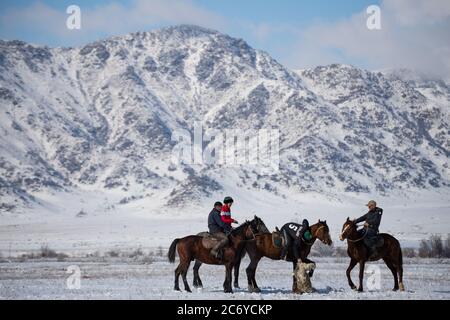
x=191 y=248
x=263 y=246
x=260 y=227
x=390 y=252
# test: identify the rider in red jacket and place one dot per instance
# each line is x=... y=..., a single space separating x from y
x=225 y=213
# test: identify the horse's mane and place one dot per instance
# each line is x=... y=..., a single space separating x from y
x=238 y=229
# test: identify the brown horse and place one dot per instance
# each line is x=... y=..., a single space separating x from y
x=263 y=246
x=260 y=227
x=191 y=248
x=390 y=252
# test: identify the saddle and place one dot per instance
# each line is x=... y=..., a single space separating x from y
x=208 y=241
x=379 y=241
x=278 y=239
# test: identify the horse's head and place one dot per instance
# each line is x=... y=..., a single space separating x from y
x=259 y=225
x=249 y=229
x=348 y=227
x=321 y=231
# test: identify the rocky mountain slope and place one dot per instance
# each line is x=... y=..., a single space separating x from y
x=102 y=117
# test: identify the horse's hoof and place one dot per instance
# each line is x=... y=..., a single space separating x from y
x=228 y=291
x=360 y=290
x=254 y=289
x=236 y=285
x=395 y=289
x=188 y=290
x=177 y=289
x=353 y=287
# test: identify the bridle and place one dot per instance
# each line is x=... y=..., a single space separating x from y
x=314 y=236
x=252 y=232
x=352 y=240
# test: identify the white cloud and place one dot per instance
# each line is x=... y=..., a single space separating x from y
x=108 y=19
x=415 y=34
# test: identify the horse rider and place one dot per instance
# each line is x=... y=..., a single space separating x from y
x=225 y=213
x=294 y=233
x=218 y=229
x=372 y=223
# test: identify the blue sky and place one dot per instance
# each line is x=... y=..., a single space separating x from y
x=298 y=33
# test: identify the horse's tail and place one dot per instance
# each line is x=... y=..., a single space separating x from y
x=171 y=253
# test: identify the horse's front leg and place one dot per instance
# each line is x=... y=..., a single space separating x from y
x=197 y=281
x=361 y=275
x=237 y=264
x=251 y=274
x=228 y=274
x=352 y=264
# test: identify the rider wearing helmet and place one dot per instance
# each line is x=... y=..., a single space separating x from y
x=225 y=213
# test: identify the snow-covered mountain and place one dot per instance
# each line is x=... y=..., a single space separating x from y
x=101 y=117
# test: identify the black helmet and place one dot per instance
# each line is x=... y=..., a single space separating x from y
x=305 y=223
x=218 y=203
x=228 y=200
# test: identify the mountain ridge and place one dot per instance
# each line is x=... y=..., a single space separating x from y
x=103 y=115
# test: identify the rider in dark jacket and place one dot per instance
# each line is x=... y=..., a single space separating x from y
x=372 y=223
x=293 y=233
x=218 y=229
x=215 y=223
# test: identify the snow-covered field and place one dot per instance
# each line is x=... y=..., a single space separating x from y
x=123 y=229
x=125 y=278
x=106 y=227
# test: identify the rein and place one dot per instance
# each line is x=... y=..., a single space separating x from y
x=352 y=240
x=245 y=224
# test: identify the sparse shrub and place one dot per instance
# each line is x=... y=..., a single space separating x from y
x=424 y=249
x=62 y=257
x=437 y=247
x=113 y=253
x=409 y=252
x=147 y=259
x=136 y=253
x=23 y=258
x=95 y=254
x=81 y=214
x=46 y=252
x=447 y=247
x=434 y=247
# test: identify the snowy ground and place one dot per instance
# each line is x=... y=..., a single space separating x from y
x=126 y=278
x=107 y=226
